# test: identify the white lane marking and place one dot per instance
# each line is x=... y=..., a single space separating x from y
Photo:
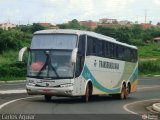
x=126 y=105
x=12 y=101
x=12 y=91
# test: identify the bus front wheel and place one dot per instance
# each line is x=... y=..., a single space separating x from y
x=88 y=93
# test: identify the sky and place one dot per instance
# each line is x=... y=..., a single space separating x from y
x=62 y=11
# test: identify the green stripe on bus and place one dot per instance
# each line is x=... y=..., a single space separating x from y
x=88 y=75
x=128 y=74
x=134 y=75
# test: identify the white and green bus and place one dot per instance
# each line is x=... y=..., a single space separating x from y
x=79 y=63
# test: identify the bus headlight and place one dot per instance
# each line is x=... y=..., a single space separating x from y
x=66 y=85
x=30 y=81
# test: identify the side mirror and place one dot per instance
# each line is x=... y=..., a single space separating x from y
x=74 y=55
x=21 y=52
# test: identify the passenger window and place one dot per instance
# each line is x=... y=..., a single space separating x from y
x=80 y=55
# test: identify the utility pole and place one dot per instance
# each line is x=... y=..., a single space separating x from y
x=45 y=19
x=8 y=20
x=19 y=22
x=28 y=22
x=145 y=16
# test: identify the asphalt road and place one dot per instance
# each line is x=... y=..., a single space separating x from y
x=104 y=105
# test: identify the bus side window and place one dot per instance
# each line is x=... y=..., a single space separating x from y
x=106 y=49
x=80 y=55
x=81 y=45
x=119 y=51
x=111 y=50
x=134 y=55
x=89 y=46
x=99 y=48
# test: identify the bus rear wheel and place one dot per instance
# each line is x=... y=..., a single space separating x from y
x=47 y=97
x=124 y=93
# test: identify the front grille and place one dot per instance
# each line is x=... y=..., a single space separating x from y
x=46 y=86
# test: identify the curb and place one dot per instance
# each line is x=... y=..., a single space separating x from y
x=156 y=76
x=12 y=91
x=14 y=81
x=156 y=107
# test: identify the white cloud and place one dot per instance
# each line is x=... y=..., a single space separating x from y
x=65 y=10
x=12 y=13
x=117 y=5
x=84 y=7
x=156 y=2
x=59 y=11
x=2 y=0
x=47 y=16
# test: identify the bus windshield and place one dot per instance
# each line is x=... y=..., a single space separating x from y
x=54 y=41
x=50 y=64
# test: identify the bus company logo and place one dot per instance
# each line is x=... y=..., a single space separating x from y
x=95 y=63
x=149 y=117
x=144 y=116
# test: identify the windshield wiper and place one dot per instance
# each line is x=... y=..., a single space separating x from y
x=44 y=66
x=48 y=62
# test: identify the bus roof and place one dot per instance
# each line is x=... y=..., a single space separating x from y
x=80 y=32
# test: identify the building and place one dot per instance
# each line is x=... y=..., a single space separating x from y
x=7 y=26
x=47 y=25
x=156 y=40
x=107 y=25
x=107 y=21
x=125 y=22
x=89 y=23
x=146 y=25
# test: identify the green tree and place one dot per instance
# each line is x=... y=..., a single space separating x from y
x=12 y=39
x=36 y=27
x=25 y=28
x=74 y=24
x=106 y=31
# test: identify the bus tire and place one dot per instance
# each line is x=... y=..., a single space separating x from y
x=129 y=88
x=124 y=93
x=88 y=93
x=47 y=98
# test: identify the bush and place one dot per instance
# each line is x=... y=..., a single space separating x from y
x=12 y=39
x=12 y=70
x=149 y=67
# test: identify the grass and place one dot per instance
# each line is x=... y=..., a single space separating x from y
x=12 y=78
x=149 y=67
x=8 y=57
x=149 y=59
x=149 y=51
x=10 y=67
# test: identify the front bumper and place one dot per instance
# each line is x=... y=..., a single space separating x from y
x=54 y=91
